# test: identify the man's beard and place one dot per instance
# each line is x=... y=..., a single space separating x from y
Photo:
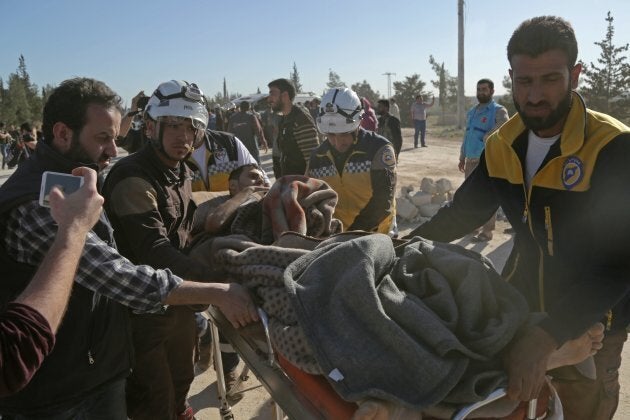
x=277 y=107
x=78 y=154
x=483 y=99
x=543 y=123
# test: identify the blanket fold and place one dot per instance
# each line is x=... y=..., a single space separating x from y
x=417 y=330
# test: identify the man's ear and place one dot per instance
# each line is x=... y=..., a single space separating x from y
x=62 y=137
x=575 y=75
x=150 y=128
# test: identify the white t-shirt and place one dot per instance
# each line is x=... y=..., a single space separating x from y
x=537 y=149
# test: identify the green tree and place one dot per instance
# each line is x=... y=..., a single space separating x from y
x=445 y=84
x=334 y=80
x=405 y=95
x=606 y=86
x=295 y=78
x=20 y=101
x=16 y=108
x=364 y=90
x=33 y=99
x=46 y=92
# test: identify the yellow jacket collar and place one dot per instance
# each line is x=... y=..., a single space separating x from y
x=573 y=132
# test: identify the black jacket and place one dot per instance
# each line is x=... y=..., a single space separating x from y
x=93 y=344
x=156 y=234
x=297 y=137
x=571 y=257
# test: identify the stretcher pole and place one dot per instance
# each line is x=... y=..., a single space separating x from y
x=225 y=410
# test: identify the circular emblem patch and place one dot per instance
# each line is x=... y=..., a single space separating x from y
x=388 y=158
x=572 y=172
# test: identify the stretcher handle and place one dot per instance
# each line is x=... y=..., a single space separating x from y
x=265 y=322
x=494 y=395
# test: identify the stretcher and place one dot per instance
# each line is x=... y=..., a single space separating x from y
x=296 y=394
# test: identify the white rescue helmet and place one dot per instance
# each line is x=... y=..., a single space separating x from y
x=180 y=99
x=340 y=111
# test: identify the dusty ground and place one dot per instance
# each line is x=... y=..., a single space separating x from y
x=436 y=161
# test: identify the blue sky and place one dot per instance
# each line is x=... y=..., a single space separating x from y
x=133 y=45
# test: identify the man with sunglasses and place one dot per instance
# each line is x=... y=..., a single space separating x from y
x=149 y=202
x=359 y=165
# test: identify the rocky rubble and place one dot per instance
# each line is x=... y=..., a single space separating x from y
x=420 y=206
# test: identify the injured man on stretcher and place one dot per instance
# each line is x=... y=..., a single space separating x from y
x=413 y=325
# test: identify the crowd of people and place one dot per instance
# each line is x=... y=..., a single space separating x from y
x=129 y=336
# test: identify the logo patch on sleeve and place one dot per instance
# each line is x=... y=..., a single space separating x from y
x=572 y=172
x=388 y=158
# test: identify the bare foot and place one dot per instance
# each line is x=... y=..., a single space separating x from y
x=575 y=351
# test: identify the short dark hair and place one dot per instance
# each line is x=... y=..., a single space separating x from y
x=244 y=106
x=487 y=82
x=236 y=173
x=384 y=102
x=68 y=103
x=26 y=127
x=285 y=85
x=541 y=34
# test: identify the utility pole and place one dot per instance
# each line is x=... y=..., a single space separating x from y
x=389 y=75
x=461 y=97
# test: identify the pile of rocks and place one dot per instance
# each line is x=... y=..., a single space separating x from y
x=421 y=206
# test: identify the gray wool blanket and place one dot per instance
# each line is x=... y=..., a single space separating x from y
x=418 y=328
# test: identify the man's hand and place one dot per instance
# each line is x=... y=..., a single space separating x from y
x=264 y=144
x=526 y=363
x=461 y=164
x=237 y=305
x=134 y=101
x=81 y=209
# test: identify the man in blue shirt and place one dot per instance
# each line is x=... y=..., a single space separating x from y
x=481 y=120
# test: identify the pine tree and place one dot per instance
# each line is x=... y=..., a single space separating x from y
x=16 y=107
x=606 y=85
x=334 y=80
x=445 y=84
x=295 y=78
x=405 y=95
x=364 y=90
x=225 y=92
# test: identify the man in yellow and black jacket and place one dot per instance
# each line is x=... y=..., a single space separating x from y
x=359 y=165
x=212 y=162
x=560 y=173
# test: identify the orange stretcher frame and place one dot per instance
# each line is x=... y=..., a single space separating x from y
x=300 y=395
